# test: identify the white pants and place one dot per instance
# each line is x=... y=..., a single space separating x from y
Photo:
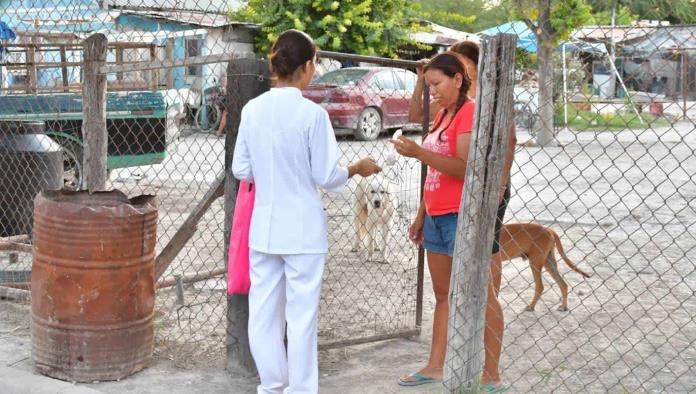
x=285 y=288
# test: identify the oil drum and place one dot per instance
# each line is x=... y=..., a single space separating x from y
x=93 y=284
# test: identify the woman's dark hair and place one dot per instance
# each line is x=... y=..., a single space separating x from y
x=450 y=65
x=291 y=51
x=467 y=49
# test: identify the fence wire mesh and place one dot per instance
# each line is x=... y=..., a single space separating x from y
x=371 y=277
x=162 y=123
x=161 y=128
x=617 y=186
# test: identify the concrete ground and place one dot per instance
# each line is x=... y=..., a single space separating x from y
x=623 y=205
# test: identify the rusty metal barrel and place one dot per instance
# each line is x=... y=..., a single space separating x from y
x=92 y=284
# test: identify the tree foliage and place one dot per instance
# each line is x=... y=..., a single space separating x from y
x=466 y=15
x=674 y=11
x=368 y=27
x=552 y=20
x=602 y=16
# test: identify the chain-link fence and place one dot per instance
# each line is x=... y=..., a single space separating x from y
x=161 y=128
x=373 y=279
x=617 y=185
x=165 y=104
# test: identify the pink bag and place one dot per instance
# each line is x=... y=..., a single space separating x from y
x=238 y=281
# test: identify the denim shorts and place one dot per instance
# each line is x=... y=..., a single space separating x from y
x=440 y=231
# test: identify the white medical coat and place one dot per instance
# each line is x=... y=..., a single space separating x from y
x=287 y=147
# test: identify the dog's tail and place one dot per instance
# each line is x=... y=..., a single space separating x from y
x=570 y=264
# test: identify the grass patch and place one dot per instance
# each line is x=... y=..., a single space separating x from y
x=593 y=121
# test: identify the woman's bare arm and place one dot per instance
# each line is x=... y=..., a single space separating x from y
x=448 y=165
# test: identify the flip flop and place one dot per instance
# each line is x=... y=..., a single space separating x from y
x=491 y=388
x=418 y=380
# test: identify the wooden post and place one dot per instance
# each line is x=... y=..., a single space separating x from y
x=472 y=253
x=154 y=74
x=119 y=60
x=188 y=228
x=31 y=69
x=94 y=113
x=246 y=79
x=169 y=55
x=64 y=68
x=14 y=294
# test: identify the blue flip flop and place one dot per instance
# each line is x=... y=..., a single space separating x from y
x=490 y=388
x=418 y=380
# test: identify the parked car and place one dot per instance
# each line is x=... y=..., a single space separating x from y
x=364 y=101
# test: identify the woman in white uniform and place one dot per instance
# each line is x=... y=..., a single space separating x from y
x=286 y=146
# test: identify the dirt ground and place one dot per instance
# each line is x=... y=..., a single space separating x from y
x=623 y=203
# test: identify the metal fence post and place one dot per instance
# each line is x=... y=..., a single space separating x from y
x=425 y=124
x=246 y=79
x=94 y=113
x=472 y=254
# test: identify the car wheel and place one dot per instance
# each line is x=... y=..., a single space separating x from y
x=369 y=125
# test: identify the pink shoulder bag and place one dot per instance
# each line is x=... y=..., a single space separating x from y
x=238 y=281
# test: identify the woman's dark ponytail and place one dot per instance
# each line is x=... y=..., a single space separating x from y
x=291 y=51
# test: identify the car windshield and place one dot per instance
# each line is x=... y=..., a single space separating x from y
x=341 y=77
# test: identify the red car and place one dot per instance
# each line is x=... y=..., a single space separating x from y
x=364 y=101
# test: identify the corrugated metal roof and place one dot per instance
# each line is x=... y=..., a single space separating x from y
x=221 y=7
x=441 y=35
x=669 y=39
x=196 y=18
x=620 y=34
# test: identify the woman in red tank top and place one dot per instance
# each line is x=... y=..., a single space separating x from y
x=445 y=151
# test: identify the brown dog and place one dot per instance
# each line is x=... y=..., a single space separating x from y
x=536 y=243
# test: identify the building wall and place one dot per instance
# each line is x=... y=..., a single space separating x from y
x=216 y=42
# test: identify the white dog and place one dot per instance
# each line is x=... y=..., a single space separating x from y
x=373 y=209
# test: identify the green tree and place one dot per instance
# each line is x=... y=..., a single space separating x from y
x=367 y=27
x=552 y=21
x=465 y=15
x=602 y=15
x=674 y=11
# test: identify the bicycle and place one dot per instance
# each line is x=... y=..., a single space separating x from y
x=525 y=117
x=209 y=115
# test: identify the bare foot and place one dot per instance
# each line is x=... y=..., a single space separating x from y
x=490 y=380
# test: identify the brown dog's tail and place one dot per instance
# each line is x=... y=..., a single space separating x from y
x=570 y=264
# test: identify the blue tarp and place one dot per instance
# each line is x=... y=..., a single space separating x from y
x=526 y=39
x=5 y=32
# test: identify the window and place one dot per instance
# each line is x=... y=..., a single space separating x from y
x=342 y=77
x=193 y=48
x=409 y=80
x=386 y=80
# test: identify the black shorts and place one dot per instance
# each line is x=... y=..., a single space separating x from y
x=499 y=219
